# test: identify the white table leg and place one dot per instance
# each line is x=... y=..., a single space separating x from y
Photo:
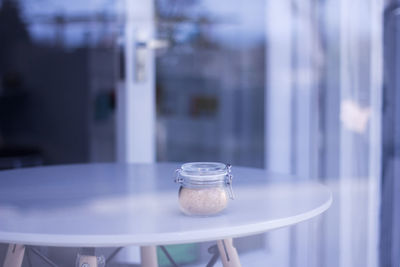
x=228 y=253
x=14 y=256
x=148 y=256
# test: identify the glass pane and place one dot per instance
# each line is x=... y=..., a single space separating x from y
x=293 y=86
x=210 y=82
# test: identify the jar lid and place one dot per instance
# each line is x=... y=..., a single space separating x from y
x=203 y=170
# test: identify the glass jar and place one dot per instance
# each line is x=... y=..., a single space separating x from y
x=205 y=187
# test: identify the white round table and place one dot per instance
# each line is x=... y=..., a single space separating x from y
x=106 y=205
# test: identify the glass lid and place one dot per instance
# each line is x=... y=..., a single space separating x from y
x=203 y=169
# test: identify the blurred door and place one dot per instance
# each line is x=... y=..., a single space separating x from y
x=201 y=97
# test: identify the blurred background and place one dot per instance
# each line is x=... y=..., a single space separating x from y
x=305 y=87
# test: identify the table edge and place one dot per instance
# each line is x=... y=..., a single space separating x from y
x=168 y=238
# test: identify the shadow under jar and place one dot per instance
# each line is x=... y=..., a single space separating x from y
x=205 y=187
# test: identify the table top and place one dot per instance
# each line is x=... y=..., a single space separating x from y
x=109 y=205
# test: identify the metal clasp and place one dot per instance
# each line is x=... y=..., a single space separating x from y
x=178 y=178
x=229 y=179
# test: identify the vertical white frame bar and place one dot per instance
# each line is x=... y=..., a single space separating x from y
x=375 y=158
x=136 y=99
x=278 y=86
x=347 y=149
x=345 y=142
x=305 y=55
x=278 y=109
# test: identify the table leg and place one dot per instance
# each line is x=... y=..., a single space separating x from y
x=148 y=256
x=228 y=253
x=14 y=256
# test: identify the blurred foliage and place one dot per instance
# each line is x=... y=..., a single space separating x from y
x=184 y=22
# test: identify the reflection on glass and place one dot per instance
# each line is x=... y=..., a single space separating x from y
x=354 y=117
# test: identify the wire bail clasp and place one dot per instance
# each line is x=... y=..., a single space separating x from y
x=228 y=182
x=178 y=178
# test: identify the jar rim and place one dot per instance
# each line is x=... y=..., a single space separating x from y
x=203 y=169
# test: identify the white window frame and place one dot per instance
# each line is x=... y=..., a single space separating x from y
x=136 y=93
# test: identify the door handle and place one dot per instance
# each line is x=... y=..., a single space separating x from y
x=141 y=56
x=153 y=44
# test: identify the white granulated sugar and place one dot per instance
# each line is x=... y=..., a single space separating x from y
x=204 y=201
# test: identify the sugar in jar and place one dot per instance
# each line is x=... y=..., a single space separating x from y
x=205 y=187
